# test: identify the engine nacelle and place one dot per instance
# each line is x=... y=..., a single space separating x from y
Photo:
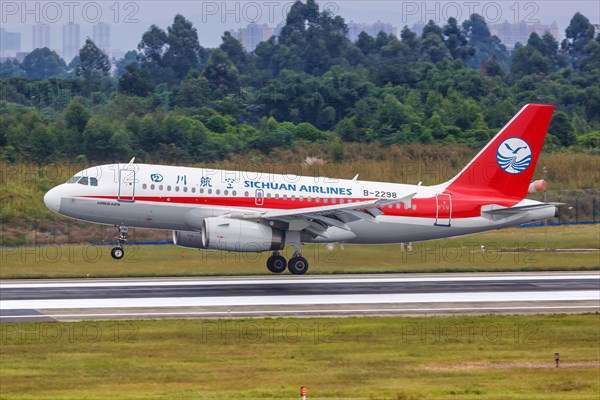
x=192 y=240
x=231 y=234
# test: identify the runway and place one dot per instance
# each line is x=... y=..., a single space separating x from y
x=313 y=295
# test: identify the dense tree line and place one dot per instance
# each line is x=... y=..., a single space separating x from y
x=174 y=100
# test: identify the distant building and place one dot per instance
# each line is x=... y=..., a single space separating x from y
x=513 y=33
x=101 y=36
x=41 y=36
x=355 y=28
x=10 y=43
x=71 y=42
x=252 y=35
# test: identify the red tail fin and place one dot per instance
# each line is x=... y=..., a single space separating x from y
x=505 y=166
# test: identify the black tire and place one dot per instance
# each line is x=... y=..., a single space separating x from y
x=276 y=264
x=298 y=265
x=117 y=253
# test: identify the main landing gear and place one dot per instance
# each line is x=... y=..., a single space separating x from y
x=297 y=265
x=118 y=252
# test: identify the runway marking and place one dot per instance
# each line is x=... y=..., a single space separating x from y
x=302 y=300
x=312 y=311
x=299 y=280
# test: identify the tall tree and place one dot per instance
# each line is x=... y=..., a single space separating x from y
x=580 y=33
x=43 y=63
x=184 y=51
x=221 y=73
x=234 y=49
x=486 y=45
x=95 y=65
x=456 y=40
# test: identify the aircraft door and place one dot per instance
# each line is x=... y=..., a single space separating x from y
x=126 y=185
x=443 y=203
x=259 y=197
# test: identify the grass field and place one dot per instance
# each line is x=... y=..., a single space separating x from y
x=449 y=255
x=486 y=357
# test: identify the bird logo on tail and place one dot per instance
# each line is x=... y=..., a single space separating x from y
x=513 y=155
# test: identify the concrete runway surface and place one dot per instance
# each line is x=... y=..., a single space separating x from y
x=290 y=296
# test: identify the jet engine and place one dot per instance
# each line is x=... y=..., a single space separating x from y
x=230 y=234
x=192 y=240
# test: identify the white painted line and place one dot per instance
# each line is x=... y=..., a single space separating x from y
x=315 y=311
x=306 y=281
x=302 y=300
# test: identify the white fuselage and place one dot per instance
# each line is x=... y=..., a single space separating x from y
x=180 y=198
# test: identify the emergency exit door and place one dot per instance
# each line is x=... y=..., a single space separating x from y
x=443 y=203
x=126 y=185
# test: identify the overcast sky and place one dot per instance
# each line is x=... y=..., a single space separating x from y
x=130 y=19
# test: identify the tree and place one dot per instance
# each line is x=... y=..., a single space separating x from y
x=193 y=92
x=76 y=115
x=136 y=82
x=184 y=51
x=43 y=63
x=221 y=73
x=486 y=45
x=95 y=66
x=131 y=57
x=234 y=50
x=433 y=47
x=579 y=32
x=11 y=68
x=562 y=128
x=456 y=40
x=527 y=60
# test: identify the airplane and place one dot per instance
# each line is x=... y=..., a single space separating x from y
x=241 y=211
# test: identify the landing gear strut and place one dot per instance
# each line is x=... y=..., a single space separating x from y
x=118 y=252
x=276 y=263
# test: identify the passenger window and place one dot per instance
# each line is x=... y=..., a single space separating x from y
x=177 y=188
x=94 y=181
x=218 y=191
x=144 y=186
x=201 y=190
x=209 y=191
x=168 y=188
x=83 y=181
x=193 y=190
x=234 y=193
x=160 y=187
x=185 y=189
x=226 y=192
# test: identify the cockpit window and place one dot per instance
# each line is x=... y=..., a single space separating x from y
x=73 y=179
x=94 y=181
x=83 y=180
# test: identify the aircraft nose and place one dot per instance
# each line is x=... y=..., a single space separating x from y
x=52 y=200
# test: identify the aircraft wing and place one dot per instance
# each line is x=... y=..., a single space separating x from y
x=316 y=220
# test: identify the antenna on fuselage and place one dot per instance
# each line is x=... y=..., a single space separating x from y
x=131 y=161
x=355 y=177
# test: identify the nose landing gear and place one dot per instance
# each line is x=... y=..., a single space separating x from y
x=118 y=252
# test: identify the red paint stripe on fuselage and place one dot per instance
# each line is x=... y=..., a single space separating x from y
x=462 y=207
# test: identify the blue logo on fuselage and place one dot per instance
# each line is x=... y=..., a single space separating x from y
x=156 y=177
